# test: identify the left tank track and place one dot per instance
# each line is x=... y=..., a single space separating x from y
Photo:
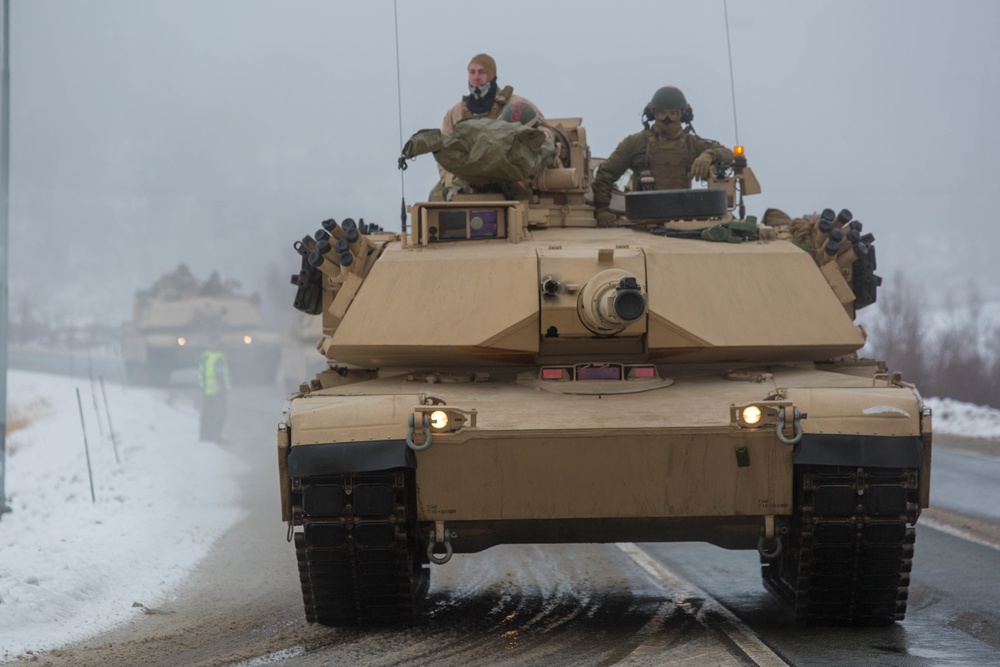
x=847 y=557
x=357 y=553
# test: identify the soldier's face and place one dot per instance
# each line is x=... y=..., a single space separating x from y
x=667 y=115
x=478 y=75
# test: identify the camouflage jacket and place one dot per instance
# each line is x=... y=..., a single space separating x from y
x=460 y=112
x=631 y=153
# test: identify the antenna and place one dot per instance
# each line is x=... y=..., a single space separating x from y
x=399 y=101
x=732 y=83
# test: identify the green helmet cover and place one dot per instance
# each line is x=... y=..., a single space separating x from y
x=519 y=112
x=668 y=97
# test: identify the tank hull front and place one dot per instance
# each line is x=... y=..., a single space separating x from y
x=540 y=465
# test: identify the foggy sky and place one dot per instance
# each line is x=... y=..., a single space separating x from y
x=216 y=132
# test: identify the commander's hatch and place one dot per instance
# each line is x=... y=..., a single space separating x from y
x=475 y=217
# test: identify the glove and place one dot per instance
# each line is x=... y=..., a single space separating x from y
x=701 y=169
x=605 y=218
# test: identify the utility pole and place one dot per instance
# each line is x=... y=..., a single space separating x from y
x=4 y=210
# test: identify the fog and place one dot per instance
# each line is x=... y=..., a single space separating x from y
x=216 y=132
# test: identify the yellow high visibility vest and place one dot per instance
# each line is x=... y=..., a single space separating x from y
x=209 y=373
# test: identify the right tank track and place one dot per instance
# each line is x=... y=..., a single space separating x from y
x=849 y=549
x=357 y=553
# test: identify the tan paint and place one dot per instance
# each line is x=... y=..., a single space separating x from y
x=740 y=297
x=593 y=474
x=465 y=324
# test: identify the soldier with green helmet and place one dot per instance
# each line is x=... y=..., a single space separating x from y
x=665 y=156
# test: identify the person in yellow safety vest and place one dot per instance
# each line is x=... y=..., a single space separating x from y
x=213 y=378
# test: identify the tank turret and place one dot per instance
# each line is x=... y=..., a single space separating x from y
x=506 y=371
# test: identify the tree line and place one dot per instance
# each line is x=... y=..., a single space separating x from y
x=954 y=353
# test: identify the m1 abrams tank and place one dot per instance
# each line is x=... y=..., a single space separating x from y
x=507 y=372
x=174 y=320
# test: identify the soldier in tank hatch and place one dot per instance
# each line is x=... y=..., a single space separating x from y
x=485 y=100
x=665 y=156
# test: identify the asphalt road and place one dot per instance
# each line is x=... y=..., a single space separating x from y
x=553 y=605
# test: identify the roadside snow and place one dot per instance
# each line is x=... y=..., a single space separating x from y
x=964 y=419
x=71 y=566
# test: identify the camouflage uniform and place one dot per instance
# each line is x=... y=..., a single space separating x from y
x=461 y=112
x=669 y=160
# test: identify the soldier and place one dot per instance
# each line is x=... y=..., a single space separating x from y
x=485 y=99
x=663 y=157
x=213 y=378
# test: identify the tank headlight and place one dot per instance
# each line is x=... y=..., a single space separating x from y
x=439 y=419
x=182 y=341
x=757 y=415
x=751 y=415
x=247 y=339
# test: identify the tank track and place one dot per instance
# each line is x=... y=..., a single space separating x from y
x=849 y=549
x=357 y=553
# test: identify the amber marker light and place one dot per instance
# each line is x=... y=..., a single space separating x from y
x=439 y=419
x=247 y=339
x=182 y=341
x=738 y=151
x=751 y=415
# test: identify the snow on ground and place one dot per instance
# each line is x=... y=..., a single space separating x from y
x=71 y=567
x=965 y=419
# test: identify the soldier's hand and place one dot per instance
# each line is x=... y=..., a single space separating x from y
x=702 y=167
x=605 y=218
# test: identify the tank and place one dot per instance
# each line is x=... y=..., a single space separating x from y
x=174 y=320
x=503 y=371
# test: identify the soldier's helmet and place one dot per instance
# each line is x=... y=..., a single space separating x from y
x=520 y=112
x=669 y=97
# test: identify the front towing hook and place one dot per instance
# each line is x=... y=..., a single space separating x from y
x=432 y=540
x=797 y=418
x=427 y=434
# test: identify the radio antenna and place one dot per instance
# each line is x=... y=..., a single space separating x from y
x=399 y=102
x=732 y=83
